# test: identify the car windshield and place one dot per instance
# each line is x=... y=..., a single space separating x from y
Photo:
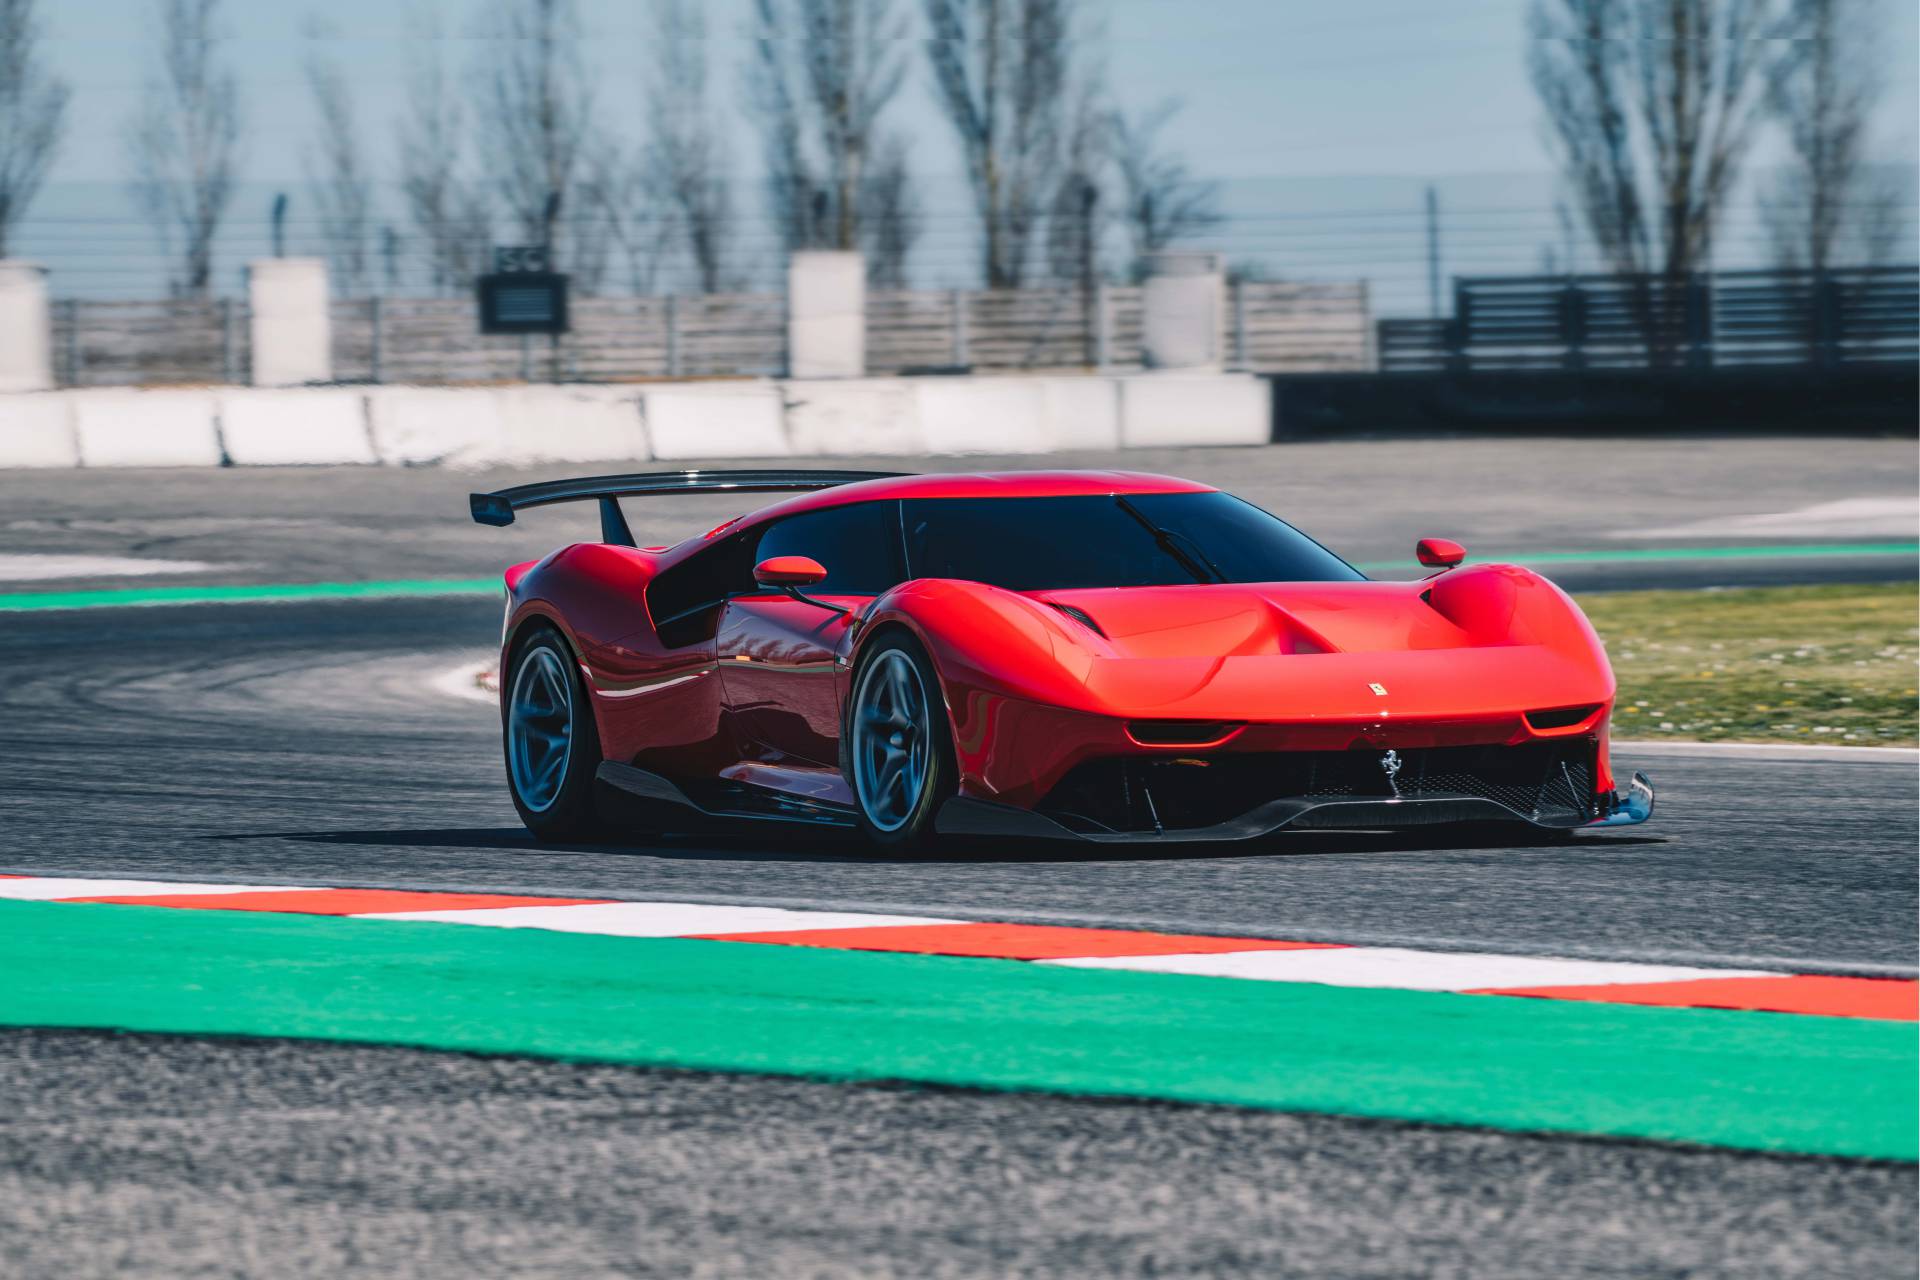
x=1110 y=540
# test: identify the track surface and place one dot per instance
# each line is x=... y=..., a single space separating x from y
x=1369 y=501
x=301 y=744
x=275 y=1158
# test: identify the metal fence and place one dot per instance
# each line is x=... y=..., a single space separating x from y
x=1265 y=327
x=1731 y=319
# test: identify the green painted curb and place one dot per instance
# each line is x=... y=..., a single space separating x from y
x=245 y=594
x=1830 y=1086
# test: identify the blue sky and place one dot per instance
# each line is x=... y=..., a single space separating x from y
x=1312 y=109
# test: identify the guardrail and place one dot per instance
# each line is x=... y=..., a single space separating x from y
x=1731 y=319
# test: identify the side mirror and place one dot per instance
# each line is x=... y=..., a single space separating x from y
x=1440 y=553
x=789 y=571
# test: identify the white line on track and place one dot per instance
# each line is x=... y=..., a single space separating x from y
x=48 y=568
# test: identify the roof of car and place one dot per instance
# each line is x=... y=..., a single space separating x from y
x=981 y=484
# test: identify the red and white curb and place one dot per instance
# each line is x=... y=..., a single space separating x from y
x=1257 y=959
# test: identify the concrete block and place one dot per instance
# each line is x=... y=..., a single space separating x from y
x=571 y=424
x=290 y=428
x=980 y=415
x=1080 y=413
x=720 y=420
x=26 y=328
x=423 y=426
x=1187 y=409
x=1183 y=311
x=826 y=314
x=145 y=428
x=37 y=431
x=844 y=419
x=289 y=321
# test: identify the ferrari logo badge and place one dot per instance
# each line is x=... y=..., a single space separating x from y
x=1390 y=765
x=1379 y=689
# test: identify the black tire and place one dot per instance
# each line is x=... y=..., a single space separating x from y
x=556 y=801
x=905 y=827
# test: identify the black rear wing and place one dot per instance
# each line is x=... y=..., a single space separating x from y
x=498 y=509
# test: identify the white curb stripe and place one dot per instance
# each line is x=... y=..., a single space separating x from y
x=657 y=919
x=49 y=888
x=1408 y=970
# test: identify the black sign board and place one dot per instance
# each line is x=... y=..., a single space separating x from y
x=523 y=302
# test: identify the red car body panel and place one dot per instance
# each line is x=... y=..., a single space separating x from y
x=1031 y=692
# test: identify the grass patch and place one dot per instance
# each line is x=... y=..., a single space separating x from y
x=1829 y=664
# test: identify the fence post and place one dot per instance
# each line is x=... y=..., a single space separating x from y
x=959 y=305
x=526 y=357
x=1826 y=320
x=1103 y=327
x=673 y=335
x=1700 y=322
x=1240 y=324
x=1456 y=328
x=376 y=355
x=1573 y=325
x=26 y=327
x=229 y=373
x=289 y=322
x=73 y=342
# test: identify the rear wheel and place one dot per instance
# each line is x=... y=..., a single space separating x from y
x=552 y=746
x=898 y=755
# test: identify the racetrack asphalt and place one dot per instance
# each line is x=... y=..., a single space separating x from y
x=274 y=1158
x=302 y=743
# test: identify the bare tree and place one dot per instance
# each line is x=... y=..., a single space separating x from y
x=536 y=101
x=823 y=74
x=686 y=156
x=1003 y=73
x=1080 y=207
x=33 y=107
x=184 y=143
x=1161 y=202
x=1652 y=106
x=1826 y=204
x=337 y=174
x=890 y=217
x=448 y=214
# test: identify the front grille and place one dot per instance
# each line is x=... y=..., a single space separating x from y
x=1547 y=781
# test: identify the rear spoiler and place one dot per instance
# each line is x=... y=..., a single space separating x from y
x=498 y=509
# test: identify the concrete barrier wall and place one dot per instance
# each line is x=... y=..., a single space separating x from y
x=532 y=425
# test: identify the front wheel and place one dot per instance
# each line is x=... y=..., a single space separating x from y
x=899 y=750
x=552 y=745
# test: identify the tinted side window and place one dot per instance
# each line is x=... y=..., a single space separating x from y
x=859 y=546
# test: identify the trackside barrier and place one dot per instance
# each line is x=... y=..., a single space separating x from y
x=271 y=428
x=526 y=425
x=841 y=418
x=146 y=428
x=570 y=424
x=1170 y=409
x=37 y=431
x=723 y=420
x=982 y=415
x=415 y=426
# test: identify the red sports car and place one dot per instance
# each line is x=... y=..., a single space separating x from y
x=1090 y=655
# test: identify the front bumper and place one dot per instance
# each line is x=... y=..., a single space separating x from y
x=969 y=816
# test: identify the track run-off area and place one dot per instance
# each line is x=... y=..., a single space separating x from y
x=1683 y=1048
